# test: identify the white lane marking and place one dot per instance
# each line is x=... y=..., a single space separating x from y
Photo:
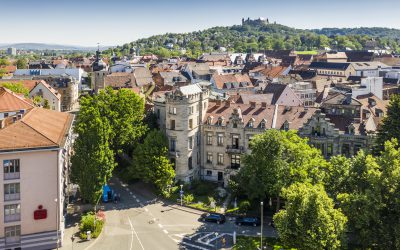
x=194 y=246
x=165 y=231
x=141 y=204
x=160 y=225
x=205 y=236
x=193 y=235
x=137 y=200
x=130 y=193
x=145 y=209
x=134 y=232
x=219 y=236
x=134 y=196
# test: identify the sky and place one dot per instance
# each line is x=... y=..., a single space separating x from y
x=115 y=22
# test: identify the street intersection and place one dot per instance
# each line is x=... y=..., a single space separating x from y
x=143 y=222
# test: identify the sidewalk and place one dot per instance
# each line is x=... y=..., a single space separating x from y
x=72 y=228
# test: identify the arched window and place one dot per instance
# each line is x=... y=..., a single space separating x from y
x=209 y=120
x=251 y=123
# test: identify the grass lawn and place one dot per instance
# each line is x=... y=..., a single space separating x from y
x=307 y=52
x=252 y=243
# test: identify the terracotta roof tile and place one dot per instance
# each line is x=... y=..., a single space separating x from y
x=9 y=101
x=36 y=129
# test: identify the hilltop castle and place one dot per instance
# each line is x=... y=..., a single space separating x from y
x=259 y=21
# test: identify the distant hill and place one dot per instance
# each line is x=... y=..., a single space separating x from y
x=259 y=35
x=44 y=46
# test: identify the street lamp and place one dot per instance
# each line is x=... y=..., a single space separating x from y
x=262 y=220
x=56 y=201
x=181 y=194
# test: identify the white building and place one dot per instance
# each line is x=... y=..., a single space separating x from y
x=46 y=92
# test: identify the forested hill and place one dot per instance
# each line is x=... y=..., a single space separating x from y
x=257 y=35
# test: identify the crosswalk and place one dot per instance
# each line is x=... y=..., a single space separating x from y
x=203 y=240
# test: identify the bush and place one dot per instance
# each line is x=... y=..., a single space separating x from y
x=244 y=206
x=200 y=188
x=188 y=198
x=88 y=224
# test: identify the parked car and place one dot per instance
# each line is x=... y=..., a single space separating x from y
x=213 y=217
x=247 y=221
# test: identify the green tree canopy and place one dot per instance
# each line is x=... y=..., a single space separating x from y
x=151 y=163
x=309 y=220
x=391 y=123
x=21 y=63
x=277 y=160
x=18 y=88
x=93 y=159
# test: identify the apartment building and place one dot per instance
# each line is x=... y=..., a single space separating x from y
x=35 y=146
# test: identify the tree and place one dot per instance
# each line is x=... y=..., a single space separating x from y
x=277 y=160
x=4 y=62
x=124 y=110
x=93 y=159
x=21 y=63
x=309 y=220
x=391 y=123
x=3 y=72
x=18 y=88
x=151 y=163
x=46 y=104
x=37 y=100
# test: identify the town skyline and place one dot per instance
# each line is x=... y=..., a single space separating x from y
x=110 y=27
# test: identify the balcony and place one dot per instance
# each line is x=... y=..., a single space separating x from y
x=234 y=149
x=11 y=176
x=11 y=197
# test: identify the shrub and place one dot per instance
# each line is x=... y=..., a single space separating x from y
x=244 y=206
x=211 y=200
x=88 y=224
x=188 y=198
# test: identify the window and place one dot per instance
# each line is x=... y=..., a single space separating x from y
x=11 y=169
x=209 y=157
x=220 y=159
x=13 y=234
x=251 y=124
x=220 y=121
x=172 y=110
x=235 y=161
x=198 y=139
x=190 y=123
x=11 y=191
x=209 y=120
x=158 y=113
x=209 y=139
x=172 y=145
x=190 y=163
x=235 y=141
x=209 y=173
x=12 y=212
x=172 y=125
x=262 y=124
x=190 y=142
x=220 y=139
x=329 y=149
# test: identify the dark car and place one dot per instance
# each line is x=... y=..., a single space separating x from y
x=247 y=221
x=213 y=217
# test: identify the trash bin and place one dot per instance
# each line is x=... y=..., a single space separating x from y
x=88 y=235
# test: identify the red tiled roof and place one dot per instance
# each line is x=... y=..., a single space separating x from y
x=10 y=101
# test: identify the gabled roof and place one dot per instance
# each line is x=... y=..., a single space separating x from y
x=39 y=128
x=341 y=99
x=10 y=101
x=232 y=81
x=276 y=89
x=189 y=90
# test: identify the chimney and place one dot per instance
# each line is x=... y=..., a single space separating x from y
x=253 y=104
x=227 y=104
x=263 y=105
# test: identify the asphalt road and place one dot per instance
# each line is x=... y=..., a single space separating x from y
x=141 y=221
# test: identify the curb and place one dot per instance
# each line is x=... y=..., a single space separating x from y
x=194 y=211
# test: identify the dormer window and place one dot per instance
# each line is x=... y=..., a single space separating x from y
x=263 y=123
x=209 y=120
x=286 y=126
x=251 y=123
x=220 y=121
x=234 y=124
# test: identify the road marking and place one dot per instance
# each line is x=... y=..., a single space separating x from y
x=130 y=193
x=194 y=246
x=159 y=225
x=134 y=232
x=191 y=236
x=145 y=209
x=165 y=231
x=134 y=196
x=205 y=236
x=137 y=200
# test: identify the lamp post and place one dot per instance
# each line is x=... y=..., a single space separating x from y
x=181 y=194
x=56 y=201
x=262 y=222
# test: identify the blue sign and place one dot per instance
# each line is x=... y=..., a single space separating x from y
x=181 y=192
